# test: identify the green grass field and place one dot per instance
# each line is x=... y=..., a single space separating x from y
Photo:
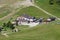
x=40 y=32
x=32 y=11
x=53 y=9
x=50 y=31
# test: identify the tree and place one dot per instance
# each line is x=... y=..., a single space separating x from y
x=58 y=2
x=8 y=24
x=1 y=29
x=12 y=26
x=51 y=2
x=4 y=25
x=17 y=22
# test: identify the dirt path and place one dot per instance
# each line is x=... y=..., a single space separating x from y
x=46 y=12
x=26 y=3
x=9 y=15
x=2 y=5
x=32 y=24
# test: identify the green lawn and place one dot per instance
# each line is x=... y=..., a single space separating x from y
x=32 y=11
x=49 y=31
x=40 y=32
x=53 y=9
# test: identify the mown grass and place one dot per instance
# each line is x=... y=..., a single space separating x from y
x=53 y=9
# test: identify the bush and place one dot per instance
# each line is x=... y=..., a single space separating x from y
x=51 y=2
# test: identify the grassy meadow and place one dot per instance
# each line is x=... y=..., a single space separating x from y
x=50 y=31
x=53 y=9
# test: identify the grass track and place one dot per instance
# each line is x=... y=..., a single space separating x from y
x=44 y=4
x=49 y=31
